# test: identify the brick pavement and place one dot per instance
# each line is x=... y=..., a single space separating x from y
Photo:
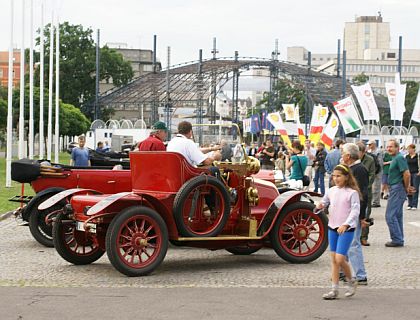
x=24 y=262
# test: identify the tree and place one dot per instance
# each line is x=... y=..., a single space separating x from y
x=284 y=91
x=3 y=114
x=78 y=64
x=360 y=79
x=72 y=121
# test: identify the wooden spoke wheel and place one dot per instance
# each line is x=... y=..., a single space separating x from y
x=77 y=247
x=137 y=241
x=299 y=235
x=201 y=207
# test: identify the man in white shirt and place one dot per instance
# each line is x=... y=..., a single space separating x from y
x=183 y=144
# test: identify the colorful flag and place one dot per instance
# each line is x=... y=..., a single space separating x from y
x=301 y=133
x=247 y=125
x=289 y=112
x=348 y=115
x=265 y=124
x=416 y=112
x=330 y=131
x=364 y=95
x=255 y=123
x=319 y=118
x=277 y=122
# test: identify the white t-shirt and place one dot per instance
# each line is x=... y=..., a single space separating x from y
x=187 y=148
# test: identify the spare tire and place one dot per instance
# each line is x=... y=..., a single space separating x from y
x=190 y=217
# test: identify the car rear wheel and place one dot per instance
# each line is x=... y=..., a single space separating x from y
x=40 y=230
x=77 y=247
x=137 y=241
x=299 y=235
x=201 y=207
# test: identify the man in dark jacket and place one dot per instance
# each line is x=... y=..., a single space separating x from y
x=369 y=163
x=350 y=156
x=318 y=164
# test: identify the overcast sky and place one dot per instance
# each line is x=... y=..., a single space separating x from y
x=248 y=26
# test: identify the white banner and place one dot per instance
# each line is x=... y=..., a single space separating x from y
x=396 y=98
x=247 y=125
x=289 y=112
x=416 y=112
x=348 y=115
x=367 y=101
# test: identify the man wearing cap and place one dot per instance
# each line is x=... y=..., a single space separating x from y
x=155 y=141
x=183 y=144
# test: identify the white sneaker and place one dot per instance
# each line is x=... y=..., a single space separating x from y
x=408 y=208
x=351 y=288
x=332 y=295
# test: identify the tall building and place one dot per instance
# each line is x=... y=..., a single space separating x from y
x=366 y=33
x=368 y=50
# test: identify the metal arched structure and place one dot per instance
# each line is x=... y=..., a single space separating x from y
x=196 y=84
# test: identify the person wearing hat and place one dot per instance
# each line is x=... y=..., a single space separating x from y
x=155 y=140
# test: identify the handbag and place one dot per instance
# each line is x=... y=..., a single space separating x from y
x=305 y=180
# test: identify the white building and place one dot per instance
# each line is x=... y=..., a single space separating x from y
x=367 y=42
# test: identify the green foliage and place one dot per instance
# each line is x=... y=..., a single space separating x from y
x=284 y=92
x=78 y=64
x=72 y=121
x=3 y=114
x=360 y=79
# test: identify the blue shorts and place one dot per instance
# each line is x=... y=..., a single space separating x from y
x=340 y=243
x=384 y=179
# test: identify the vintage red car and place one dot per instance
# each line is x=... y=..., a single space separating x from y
x=49 y=183
x=100 y=178
x=171 y=201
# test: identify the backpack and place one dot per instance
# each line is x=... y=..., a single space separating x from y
x=376 y=161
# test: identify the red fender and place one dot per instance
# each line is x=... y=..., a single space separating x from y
x=104 y=203
x=277 y=205
x=62 y=195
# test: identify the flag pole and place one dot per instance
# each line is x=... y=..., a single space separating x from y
x=10 y=105
x=22 y=88
x=41 y=86
x=50 y=88
x=31 y=84
x=57 y=95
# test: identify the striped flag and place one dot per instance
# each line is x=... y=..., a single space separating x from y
x=277 y=122
x=300 y=131
x=319 y=118
x=330 y=131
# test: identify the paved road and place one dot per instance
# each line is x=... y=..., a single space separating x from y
x=208 y=282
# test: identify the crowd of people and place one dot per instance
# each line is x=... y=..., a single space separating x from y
x=359 y=175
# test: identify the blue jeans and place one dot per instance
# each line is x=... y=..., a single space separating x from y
x=394 y=212
x=414 y=198
x=319 y=180
x=355 y=255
